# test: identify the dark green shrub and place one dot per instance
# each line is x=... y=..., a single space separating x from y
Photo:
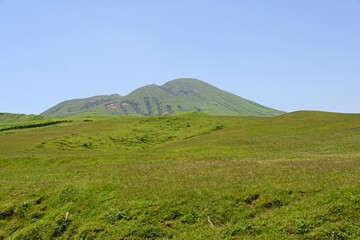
x=22 y=208
x=152 y=232
x=60 y=226
x=301 y=227
x=68 y=194
x=190 y=218
x=113 y=215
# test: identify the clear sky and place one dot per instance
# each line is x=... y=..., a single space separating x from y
x=288 y=55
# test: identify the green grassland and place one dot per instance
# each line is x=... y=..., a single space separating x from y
x=187 y=176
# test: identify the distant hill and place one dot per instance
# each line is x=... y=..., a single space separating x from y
x=10 y=118
x=179 y=95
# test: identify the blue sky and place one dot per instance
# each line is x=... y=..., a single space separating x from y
x=288 y=55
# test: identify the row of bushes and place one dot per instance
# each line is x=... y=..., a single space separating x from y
x=33 y=125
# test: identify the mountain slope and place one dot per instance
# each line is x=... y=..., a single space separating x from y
x=76 y=106
x=215 y=101
x=179 y=95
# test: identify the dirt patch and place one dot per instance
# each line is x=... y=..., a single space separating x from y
x=39 y=200
x=252 y=198
x=114 y=105
x=7 y=214
x=276 y=203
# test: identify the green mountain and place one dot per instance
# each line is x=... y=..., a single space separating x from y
x=179 y=95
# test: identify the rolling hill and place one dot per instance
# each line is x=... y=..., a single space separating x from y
x=179 y=95
x=10 y=118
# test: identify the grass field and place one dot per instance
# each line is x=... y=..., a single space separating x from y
x=296 y=176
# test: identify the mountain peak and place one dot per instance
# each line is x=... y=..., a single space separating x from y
x=186 y=80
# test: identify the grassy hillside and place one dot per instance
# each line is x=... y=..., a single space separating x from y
x=295 y=176
x=10 y=118
x=10 y=121
x=180 y=95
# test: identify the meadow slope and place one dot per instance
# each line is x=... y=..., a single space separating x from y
x=294 y=176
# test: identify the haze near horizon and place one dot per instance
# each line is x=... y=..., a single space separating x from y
x=298 y=55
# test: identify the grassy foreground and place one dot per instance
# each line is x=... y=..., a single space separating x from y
x=295 y=176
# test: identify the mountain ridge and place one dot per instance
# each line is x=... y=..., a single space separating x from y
x=175 y=96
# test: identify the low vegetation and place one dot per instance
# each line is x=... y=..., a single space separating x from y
x=188 y=176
